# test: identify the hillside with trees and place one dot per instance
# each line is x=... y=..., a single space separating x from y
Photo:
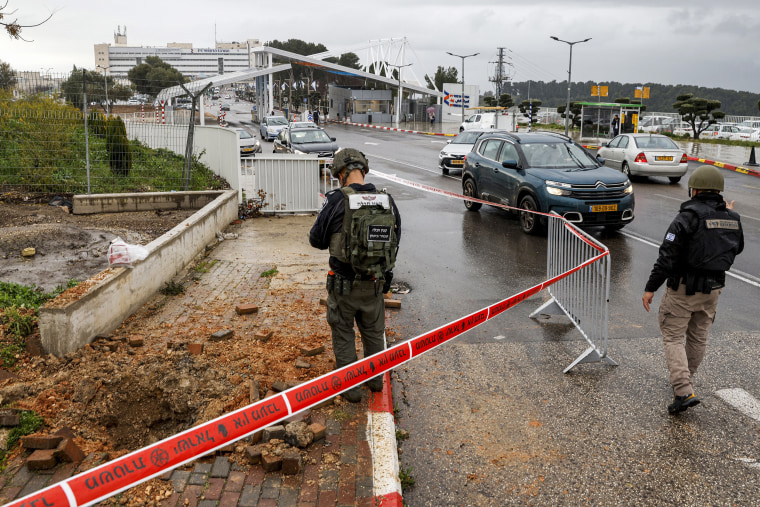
x=661 y=97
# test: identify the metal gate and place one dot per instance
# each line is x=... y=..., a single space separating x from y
x=290 y=182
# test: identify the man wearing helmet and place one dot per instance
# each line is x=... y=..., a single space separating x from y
x=356 y=285
x=699 y=247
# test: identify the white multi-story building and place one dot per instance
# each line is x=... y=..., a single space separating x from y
x=119 y=58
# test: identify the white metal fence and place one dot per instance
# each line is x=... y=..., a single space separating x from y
x=583 y=296
x=290 y=183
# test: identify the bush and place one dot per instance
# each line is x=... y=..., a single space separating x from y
x=117 y=143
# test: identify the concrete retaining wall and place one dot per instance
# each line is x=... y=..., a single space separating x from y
x=119 y=292
x=147 y=201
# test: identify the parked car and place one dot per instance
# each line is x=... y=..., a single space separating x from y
x=745 y=134
x=482 y=121
x=452 y=155
x=755 y=124
x=270 y=126
x=645 y=155
x=546 y=172
x=249 y=145
x=653 y=123
x=307 y=141
x=718 y=131
x=225 y=107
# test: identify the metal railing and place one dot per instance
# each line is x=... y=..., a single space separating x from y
x=290 y=183
x=583 y=295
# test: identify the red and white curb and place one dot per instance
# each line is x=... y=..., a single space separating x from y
x=367 y=125
x=381 y=435
x=730 y=167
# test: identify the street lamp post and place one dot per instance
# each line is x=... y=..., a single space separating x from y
x=400 y=94
x=463 y=57
x=569 y=75
x=105 y=82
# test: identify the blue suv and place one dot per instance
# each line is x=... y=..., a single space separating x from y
x=544 y=171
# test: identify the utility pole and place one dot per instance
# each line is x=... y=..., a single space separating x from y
x=400 y=93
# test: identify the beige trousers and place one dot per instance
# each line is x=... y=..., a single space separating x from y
x=684 y=324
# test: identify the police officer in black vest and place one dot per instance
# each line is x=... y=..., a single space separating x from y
x=699 y=247
x=351 y=297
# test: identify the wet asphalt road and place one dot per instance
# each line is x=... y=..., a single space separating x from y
x=494 y=421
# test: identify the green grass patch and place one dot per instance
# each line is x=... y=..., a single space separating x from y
x=269 y=273
x=341 y=415
x=172 y=289
x=205 y=266
x=405 y=476
x=29 y=422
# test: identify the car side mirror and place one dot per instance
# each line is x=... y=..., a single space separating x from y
x=605 y=145
x=448 y=142
x=509 y=164
x=600 y=159
x=332 y=139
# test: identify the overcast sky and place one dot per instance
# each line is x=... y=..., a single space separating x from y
x=691 y=42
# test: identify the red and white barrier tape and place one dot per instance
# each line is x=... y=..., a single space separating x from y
x=143 y=464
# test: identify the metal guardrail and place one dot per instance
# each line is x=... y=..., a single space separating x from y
x=290 y=182
x=583 y=295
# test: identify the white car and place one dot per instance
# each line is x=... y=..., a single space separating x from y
x=718 y=131
x=452 y=155
x=654 y=123
x=754 y=124
x=745 y=134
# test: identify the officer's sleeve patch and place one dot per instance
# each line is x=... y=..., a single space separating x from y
x=670 y=236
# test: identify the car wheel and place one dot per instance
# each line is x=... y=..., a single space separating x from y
x=674 y=179
x=470 y=190
x=444 y=169
x=530 y=223
x=626 y=170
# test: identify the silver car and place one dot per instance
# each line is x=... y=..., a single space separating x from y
x=645 y=155
x=452 y=155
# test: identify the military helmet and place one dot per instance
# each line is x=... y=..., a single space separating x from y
x=348 y=157
x=706 y=177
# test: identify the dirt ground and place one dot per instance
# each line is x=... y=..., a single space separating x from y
x=117 y=398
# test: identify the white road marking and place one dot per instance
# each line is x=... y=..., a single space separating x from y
x=500 y=337
x=735 y=273
x=412 y=166
x=373 y=144
x=435 y=141
x=752 y=463
x=742 y=401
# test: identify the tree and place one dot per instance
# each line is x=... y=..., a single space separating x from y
x=154 y=75
x=699 y=113
x=575 y=113
x=505 y=100
x=532 y=104
x=72 y=87
x=117 y=144
x=347 y=60
x=7 y=76
x=13 y=28
x=489 y=101
x=442 y=75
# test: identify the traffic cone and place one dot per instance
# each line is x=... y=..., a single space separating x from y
x=752 y=161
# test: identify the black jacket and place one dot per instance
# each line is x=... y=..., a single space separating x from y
x=330 y=221
x=694 y=253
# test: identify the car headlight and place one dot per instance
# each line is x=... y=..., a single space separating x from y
x=299 y=152
x=558 y=188
x=629 y=188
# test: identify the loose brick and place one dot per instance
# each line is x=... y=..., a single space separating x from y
x=9 y=419
x=246 y=309
x=302 y=363
x=304 y=416
x=253 y=453
x=224 y=334
x=271 y=463
x=319 y=431
x=253 y=390
x=263 y=334
x=392 y=303
x=41 y=441
x=41 y=459
x=65 y=432
x=255 y=438
x=279 y=386
x=308 y=351
x=277 y=431
x=136 y=340
x=195 y=349
x=291 y=462
x=68 y=452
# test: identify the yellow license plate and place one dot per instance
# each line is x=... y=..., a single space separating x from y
x=664 y=159
x=457 y=162
x=600 y=208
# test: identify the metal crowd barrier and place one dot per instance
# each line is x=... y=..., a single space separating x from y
x=290 y=182
x=583 y=296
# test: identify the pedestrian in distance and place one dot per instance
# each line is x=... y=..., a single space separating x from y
x=432 y=119
x=615 y=126
x=361 y=227
x=316 y=116
x=700 y=245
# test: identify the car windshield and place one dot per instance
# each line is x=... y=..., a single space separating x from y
x=244 y=134
x=309 y=136
x=466 y=137
x=558 y=156
x=278 y=120
x=655 y=143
